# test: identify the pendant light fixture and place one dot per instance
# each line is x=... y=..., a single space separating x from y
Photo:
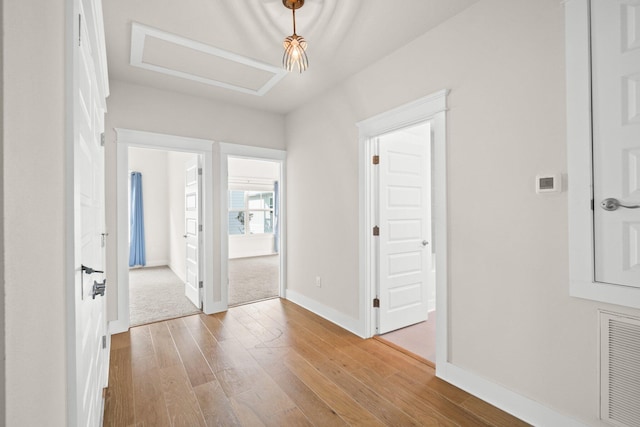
x=294 y=45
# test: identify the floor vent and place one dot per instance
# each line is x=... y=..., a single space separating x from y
x=620 y=369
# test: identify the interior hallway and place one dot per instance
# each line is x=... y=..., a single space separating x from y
x=275 y=363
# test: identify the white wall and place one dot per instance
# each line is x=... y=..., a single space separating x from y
x=248 y=169
x=142 y=108
x=34 y=212
x=163 y=198
x=511 y=318
x=153 y=165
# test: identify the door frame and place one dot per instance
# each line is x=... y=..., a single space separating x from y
x=223 y=152
x=431 y=108
x=126 y=138
x=580 y=164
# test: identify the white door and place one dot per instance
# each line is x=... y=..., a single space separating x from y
x=616 y=140
x=192 y=231
x=91 y=349
x=404 y=250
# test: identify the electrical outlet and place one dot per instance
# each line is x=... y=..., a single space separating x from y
x=318 y=282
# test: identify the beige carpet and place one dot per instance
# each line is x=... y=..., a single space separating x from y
x=419 y=339
x=156 y=293
x=253 y=279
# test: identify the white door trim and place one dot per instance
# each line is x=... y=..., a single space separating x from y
x=431 y=108
x=126 y=138
x=579 y=159
x=223 y=152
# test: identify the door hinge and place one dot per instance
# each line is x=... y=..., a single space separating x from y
x=376 y=231
x=199 y=227
x=376 y=303
x=375 y=159
x=104 y=342
x=592 y=204
x=199 y=171
x=79 y=30
x=102 y=139
x=200 y=284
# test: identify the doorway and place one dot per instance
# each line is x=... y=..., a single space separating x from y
x=429 y=111
x=163 y=256
x=182 y=146
x=405 y=276
x=253 y=230
x=265 y=167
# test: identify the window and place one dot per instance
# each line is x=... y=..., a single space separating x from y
x=250 y=212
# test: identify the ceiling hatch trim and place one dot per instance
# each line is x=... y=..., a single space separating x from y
x=139 y=34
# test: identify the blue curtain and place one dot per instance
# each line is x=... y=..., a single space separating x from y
x=276 y=214
x=137 y=255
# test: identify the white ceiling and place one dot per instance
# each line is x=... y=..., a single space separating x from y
x=344 y=37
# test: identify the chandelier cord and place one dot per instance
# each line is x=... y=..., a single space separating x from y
x=293 y=9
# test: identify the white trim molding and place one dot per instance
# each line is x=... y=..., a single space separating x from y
x=126 y=138
x=140 y=32
x=518 y=405
x=580 y=164
x=349 y=323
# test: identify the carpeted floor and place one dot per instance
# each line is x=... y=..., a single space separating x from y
x=419 y=339
x=156 y=293
x=253 y=279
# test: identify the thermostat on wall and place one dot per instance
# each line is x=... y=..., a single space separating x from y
x=548 y=183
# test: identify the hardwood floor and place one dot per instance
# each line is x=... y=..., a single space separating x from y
x=274 y=363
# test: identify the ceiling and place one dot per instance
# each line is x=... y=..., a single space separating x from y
x=211 y=48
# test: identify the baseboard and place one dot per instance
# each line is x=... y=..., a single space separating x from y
x=349 y=323
x=517 y=405
x=158 y=263
x=118 y=327
x=153 y=263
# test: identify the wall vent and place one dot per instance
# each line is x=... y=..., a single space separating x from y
x=620 y=369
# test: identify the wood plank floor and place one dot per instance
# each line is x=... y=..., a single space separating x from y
x=274 y=363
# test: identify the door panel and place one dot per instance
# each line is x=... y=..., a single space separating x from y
x=616 y=139
x=91 y=357
x=404 y=221
x=192 y=234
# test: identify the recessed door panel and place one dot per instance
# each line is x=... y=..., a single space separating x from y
x=405 y=297
x=405 y=263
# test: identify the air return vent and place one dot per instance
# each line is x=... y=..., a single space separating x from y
x=620 y=369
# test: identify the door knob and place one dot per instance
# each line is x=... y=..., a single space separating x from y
x=98 y=288
x=425 y=243
x=612 y=204
x=89 y=270
x=184 y=235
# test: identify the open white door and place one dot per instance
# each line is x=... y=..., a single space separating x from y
x=192 y=231
x=616 y=140
x=91 y=342
x=404 y=254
